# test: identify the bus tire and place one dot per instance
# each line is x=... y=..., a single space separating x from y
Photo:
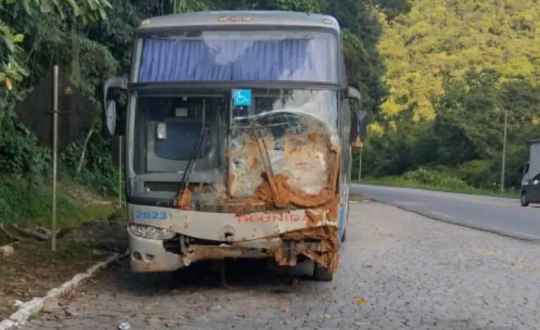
x=524 y=200
x=322 y=274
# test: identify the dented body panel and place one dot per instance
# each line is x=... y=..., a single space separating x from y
x=278 y=236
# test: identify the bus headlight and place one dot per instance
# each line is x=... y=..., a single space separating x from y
x=151 y=232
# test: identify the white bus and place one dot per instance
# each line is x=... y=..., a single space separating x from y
x=239 y=129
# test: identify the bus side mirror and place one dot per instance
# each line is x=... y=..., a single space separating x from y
x=114 y=118
x=359 y=118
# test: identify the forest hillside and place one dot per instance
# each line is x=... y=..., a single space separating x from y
x=453 y=68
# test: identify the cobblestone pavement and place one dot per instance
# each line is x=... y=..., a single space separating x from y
x=398 y=271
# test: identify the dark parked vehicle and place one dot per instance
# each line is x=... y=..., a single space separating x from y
x=530 y=184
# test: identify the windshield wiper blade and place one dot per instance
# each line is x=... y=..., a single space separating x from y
x=196 y=152
x=269 y=172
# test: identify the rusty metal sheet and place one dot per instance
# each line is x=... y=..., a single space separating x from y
x=75 y=111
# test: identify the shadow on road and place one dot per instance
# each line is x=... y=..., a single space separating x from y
x=240 y=275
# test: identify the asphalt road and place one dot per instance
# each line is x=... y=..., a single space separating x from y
x=501 y=215
x=398 y=270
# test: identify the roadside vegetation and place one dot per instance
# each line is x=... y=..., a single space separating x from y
x=439 y=180
x=454 y=69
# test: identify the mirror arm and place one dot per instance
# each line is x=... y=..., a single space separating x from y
x=118 y=82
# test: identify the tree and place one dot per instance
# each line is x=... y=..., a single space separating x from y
x=11 y=67
x=456 y=36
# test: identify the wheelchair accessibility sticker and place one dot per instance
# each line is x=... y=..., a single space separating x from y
x=242 y=97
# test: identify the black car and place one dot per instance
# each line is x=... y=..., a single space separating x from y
x=530 y=191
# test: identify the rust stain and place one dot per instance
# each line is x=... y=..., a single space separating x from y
x=184 y=202
x=276 y=192
x=324 y=233
x=314 y=136
x=327 y=256
x=253 y=162
x=219 y=253
x=332 y=206
x=315 y=216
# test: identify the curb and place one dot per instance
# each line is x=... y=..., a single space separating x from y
x=35 y=305
x=462 y=223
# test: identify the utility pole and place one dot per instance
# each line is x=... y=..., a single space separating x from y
x=503 y=167
x=360 y=165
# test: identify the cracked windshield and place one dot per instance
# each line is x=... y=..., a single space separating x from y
x=247 y=164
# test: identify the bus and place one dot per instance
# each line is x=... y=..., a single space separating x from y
x=239 y=128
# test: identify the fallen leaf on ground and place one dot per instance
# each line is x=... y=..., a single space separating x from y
x=361 y=302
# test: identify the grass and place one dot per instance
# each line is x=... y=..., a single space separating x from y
x=436 y=181
x=32 y=206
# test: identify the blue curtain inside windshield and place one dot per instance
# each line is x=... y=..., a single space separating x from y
x=202 y=60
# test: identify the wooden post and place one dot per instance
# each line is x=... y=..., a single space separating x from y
x=54 y=156
x=120 y=140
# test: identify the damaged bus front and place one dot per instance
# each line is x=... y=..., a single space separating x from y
x=238 y=140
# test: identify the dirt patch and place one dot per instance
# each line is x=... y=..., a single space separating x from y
x=34 y=269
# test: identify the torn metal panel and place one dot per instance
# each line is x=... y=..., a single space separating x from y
x=197 y=253
x=326 y=253
x=301 y=150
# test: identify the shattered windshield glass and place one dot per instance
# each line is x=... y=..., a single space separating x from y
x=284 y=148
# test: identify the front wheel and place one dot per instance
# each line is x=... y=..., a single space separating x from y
x=524 y=199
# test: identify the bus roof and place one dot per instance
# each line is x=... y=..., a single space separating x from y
x=240 y=18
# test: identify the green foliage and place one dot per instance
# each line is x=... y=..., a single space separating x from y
x=453 y=70
x=467 y=133
x=438 y=36
x=12 y=54
x=92 y=40
x=435 y=178
x=29 y=205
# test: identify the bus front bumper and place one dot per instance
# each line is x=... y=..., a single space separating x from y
x=149 y=255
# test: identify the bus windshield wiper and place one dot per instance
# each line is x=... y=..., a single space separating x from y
x=269 y=172
x=196 y=152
